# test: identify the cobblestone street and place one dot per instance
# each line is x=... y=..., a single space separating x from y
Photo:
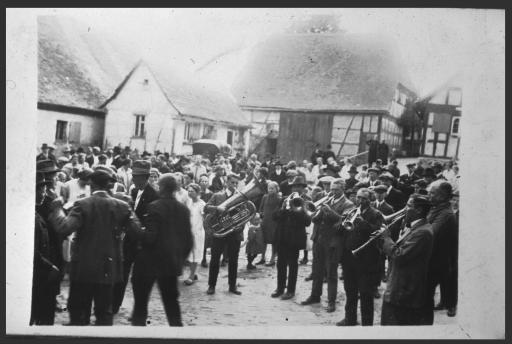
x=254 y=307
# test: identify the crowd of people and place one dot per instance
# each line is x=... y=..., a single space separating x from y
x=102 y=216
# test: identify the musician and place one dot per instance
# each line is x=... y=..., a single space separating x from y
x=361 y=272
x=166 y=243
x=327 y=245
x=290 y=239
x=443 y=263
x=141 y=195
x=286 y=185
x=231 y=241
x=394 y=197
x=99 y=222
x=404 y=299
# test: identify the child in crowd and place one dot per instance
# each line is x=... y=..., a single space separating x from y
x=254 y=241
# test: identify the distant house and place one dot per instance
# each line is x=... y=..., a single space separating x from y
x=441 y=114
x=92 y=92
x=157 y=110
x=306 y=89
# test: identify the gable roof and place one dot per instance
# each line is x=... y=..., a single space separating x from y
x=78 y=67
x=321 y=72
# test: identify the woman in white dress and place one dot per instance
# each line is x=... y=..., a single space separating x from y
x=196 y=206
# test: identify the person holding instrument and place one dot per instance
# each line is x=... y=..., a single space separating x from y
x=361 y=271
x=327 y=245
x=405 y=296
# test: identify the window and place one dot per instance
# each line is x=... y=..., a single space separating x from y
x=192 y=131
x=61 y=131
x=74 y=132
x=140 y=126
x=230 y=137
x=455 y=126
x=209 y=132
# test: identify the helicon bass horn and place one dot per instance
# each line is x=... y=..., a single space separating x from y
x=239 y=210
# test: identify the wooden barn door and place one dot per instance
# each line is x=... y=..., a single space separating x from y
x=299 y=133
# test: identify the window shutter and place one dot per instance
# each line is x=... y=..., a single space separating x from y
x=442 y=123
x=74 y=132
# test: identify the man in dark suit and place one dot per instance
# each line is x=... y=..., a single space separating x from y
x=290 y=238
x=443 y=263
x=373 y=178
x=394 y=197
x=142 y=195
x=46 y=275
x=166 y=243
x=217 y=181
x=405 y=296
x=352 y=181
x=383 y=152
x=100 y=222
x=327 y=245
x=316 y=153
x=360 y=271
x=328 y=153
x=373 y=146
x=406 y=180
x=46 y=154
x=231 y=241
x=286 y=185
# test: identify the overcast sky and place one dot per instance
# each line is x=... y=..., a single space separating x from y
x=434 y=43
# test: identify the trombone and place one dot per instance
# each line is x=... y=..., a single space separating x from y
x=389 y=221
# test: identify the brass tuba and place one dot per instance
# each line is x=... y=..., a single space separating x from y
x=239 y=210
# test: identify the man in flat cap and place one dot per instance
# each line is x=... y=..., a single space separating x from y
x=407 y=288
x=394 y=197
x=141 y=195
x=373 y=177
x=285 y=186
x=100 y=223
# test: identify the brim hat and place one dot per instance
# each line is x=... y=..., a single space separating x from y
x=100 y=171
x=387 y=175
x=422 y=183
x=326 y=179
x=96 y=148
x=44 y=146
x=352 y=169
x=141 y=167
x=154 y=170
x=429 y=172
x=373 y=169
x=41 y=180
x=292 y=173
x=299 y=181
x=421 y=200
x=63 y=159
x=46 y=166
x=412 y=164
x=380 y=189
x=84 y=174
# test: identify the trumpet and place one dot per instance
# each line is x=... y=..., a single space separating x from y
x=313 y=209
x=350 y=217
x=389 y=221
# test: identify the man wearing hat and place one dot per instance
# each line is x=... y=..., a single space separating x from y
x=429 y=175
x=142 y=195
x=406 y=180
x=46 y=275
x=383 y=152
x=352 y=180
x=406 y=291
x=420 y=186
x=100 y=222
x=327 y=245
x=46 y=154
x=290 y=238
x=286 y=185
x=443 y=265
x=373 y=177
x=231 y=241
x=395 y=197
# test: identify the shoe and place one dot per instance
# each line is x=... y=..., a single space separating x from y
x=452 y=311
x=204 y=264
x=277 y=293
x=376 y=294
x=211 y=290
x=261 y=262
x=303 y=261
x=287 y=296
x=270 y=264
x=195 y=277
x=310 y=300
x=331 y=307
x=250 y=267
x=344 y=322
x=439 y=307
x=309 y=278
x=188 y=281
x=235 y=291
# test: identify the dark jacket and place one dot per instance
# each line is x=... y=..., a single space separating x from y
x=216 y=200
x=50 y=156
x=384 y=208
x=327 y=233
x=315 y=155
x=285 y=188
x=409 y=258
x=396 y=199
x=42 y=259
x=350 y=182
x=445 y=246
x=278 y=178
x=100 y=222
x=328 y=154
x=291 y=227
x=366 y=260
x=167 y=240
x=217 y=184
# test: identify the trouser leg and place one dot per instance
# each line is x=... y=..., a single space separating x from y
x=281 y=268
x=142 y=285
x=331 y=264
x=168 y=286
x=293 y=266
x=79 y=303
x=43 y=306
x=351 y=291
x=233 y=246
x=366 y=287
x=217 y=249
x=120 y=287
x=317 y=271
x=103 y=304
